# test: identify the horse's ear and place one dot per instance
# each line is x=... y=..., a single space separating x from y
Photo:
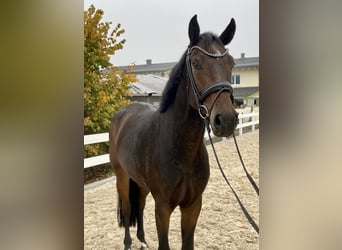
x=194 y=30
x=228 y=34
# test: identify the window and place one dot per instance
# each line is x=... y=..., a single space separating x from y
x=235 y=79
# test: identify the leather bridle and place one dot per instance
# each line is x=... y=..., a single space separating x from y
x=218 y=87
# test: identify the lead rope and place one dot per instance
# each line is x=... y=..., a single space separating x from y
x=247 y=215
x=256 y=188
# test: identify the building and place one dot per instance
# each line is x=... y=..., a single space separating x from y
x=153 y=77
x=245 y=80
x=148 y=89
x=160 y=69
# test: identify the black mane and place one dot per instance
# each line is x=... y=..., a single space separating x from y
x=170 y=90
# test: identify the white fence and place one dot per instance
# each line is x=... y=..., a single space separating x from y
x=245 y=120
x=96 y=160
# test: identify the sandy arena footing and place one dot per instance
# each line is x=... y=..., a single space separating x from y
x=221 y=224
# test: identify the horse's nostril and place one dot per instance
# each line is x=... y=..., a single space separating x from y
x=236 y=114
x=218 y=120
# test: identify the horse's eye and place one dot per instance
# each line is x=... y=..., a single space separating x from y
x=196 y=65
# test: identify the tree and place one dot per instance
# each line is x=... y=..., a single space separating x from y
x=105 y=87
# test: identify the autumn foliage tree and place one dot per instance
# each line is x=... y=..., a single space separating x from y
x=105 y=87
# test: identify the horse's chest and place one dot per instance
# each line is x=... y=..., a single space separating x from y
x=190 y=186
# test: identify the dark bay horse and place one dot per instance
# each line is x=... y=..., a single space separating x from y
x=162 y=151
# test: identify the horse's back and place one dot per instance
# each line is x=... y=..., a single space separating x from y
x=134 y=109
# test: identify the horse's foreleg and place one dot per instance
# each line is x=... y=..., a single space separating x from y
x=189 y=216
x=140 y=218
x=162 y=213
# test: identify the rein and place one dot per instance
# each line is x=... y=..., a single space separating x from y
x=204 y=113
x=244 y=210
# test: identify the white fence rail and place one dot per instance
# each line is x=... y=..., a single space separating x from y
x=245 y=120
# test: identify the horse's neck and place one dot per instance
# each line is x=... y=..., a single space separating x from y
x=184 y=121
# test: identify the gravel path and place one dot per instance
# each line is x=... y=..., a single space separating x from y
x=221 y=224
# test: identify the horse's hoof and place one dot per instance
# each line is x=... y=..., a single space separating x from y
x=143 y=245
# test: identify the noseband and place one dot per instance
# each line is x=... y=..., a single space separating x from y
x=218 y=87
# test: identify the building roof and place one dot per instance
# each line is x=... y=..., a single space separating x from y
x=149 y=67
x=244 y=91
x=148 y=85
x=246 y=62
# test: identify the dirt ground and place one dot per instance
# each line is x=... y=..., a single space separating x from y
x=221 y=224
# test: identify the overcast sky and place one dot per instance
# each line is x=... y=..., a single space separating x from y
x=158 y=30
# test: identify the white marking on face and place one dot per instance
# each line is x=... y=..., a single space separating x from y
x=217 y=52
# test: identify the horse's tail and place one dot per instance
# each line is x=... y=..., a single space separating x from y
x=134 y=194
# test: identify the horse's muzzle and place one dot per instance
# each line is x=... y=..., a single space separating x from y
x=223 y=125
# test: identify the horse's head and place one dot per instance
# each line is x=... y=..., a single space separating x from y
x=209 y=67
